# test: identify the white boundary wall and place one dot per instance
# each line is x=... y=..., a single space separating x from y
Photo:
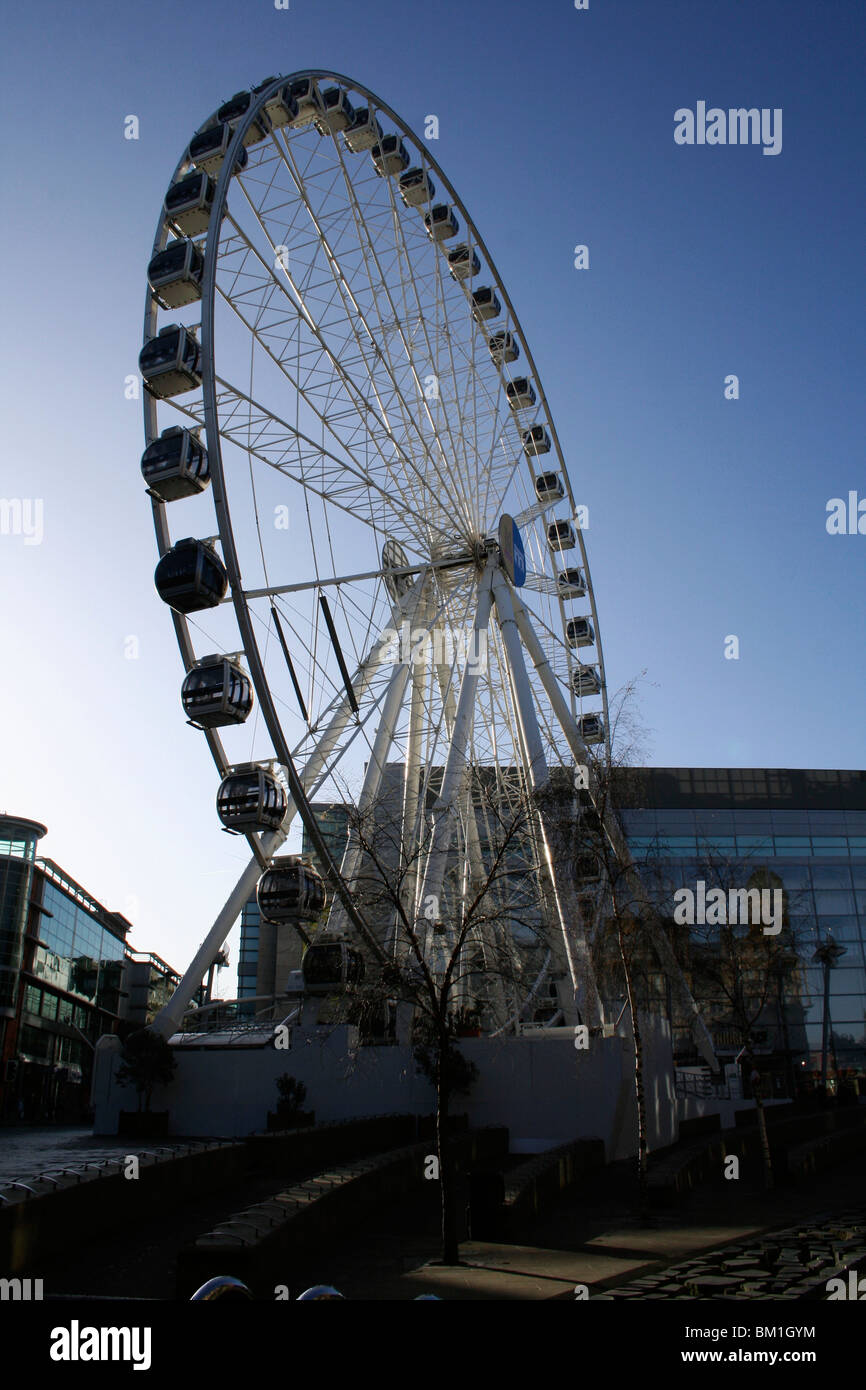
x=544 y=1090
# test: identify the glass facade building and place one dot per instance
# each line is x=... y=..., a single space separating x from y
x=803 y=831
x=71 y=991
x=77 y=953
x=249 y=953
x=150 y=984
x=18 y=841
x=65 y=979
x=267 y=953
x=332 y=819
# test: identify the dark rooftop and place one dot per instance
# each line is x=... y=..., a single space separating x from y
x=755 y=788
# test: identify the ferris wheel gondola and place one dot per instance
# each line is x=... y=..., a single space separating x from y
x=191 y=576
x=290 y=890
x=216 y=693
x=175 y=465
x=251 y=797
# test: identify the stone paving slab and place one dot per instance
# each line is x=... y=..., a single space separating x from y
x=777 y=1267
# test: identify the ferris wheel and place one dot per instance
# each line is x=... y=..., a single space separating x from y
x=391 y=592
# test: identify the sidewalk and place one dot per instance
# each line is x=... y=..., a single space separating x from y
x=589 y=1238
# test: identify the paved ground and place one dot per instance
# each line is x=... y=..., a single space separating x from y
x=590 y=1237
x=142 y=1263
x=27 y=1150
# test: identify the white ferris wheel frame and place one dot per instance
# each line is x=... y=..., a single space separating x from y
x=495 y=595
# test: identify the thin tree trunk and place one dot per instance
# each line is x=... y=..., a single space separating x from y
x=766 y=1158
x=640 y=1095
x=642 y=1160
x=450 y=1249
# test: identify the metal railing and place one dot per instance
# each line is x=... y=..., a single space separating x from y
x=701 y=1085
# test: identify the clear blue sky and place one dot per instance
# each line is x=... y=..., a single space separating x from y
x=707 y=516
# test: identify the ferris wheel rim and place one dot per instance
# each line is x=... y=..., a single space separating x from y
x=226 y=173
x=239 y=597
x=220 y=198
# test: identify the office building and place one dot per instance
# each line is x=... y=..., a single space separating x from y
x=67 y=975
x=269 y=953
x=803 y=832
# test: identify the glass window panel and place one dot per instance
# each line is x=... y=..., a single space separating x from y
x=713 y=814
x=831 y=876
x=833 y=902
x=789 y=841
x=807 y=938
x=793 y=875
x=813 y=1035
x=843 y=928
x=685 y=871
x=800 y=903
x=845 y=980
x=812 y=976
x=36 y=1042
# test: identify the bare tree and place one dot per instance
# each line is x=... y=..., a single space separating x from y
x=442 y=957
x=747 y=972
x=634 y=951
x=728 y=981
x=629 y=922
x=454 y=963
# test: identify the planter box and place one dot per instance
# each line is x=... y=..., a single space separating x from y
x=143 y=1124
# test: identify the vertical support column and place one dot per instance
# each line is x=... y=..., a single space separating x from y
x=453 y=778
x=169 y=1018
x=338 y=918
x=412 y=820
x=473 y=841
x=655 y=932
x=576 y=947
x=466 y=809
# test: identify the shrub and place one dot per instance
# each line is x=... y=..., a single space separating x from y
x=146 y=1061
x=291 y=1096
